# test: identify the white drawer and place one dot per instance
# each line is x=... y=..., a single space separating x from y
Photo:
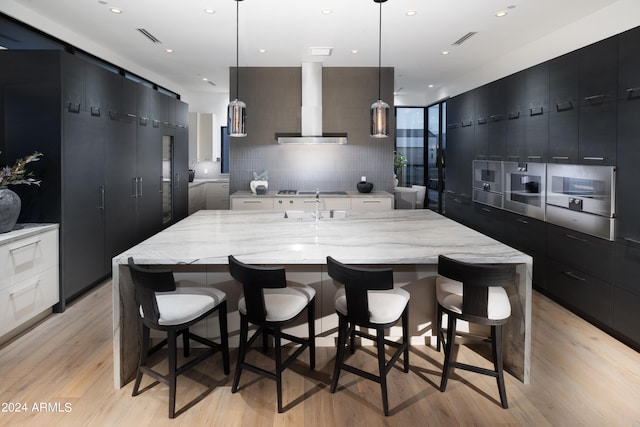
x=217 y=189
x=23 y=258
x=27 y=299
x=251 y=203
x=371 y=204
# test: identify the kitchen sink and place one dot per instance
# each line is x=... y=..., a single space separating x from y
x=311 y=215
x=322 y=193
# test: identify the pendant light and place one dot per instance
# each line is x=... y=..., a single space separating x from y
x=379 y=109
x=237 y=110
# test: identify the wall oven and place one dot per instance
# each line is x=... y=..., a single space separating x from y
x=487 y=182
x=524 y=188
x=582 y=198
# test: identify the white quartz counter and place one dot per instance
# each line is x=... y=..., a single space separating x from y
x=197 y=248
x=20 y=231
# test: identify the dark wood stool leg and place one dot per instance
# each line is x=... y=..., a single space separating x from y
x=185 y=342
x=439 y=335
x=311 y=310
x=382 y=369
x=278 y=357
x=224 y=336
x=342 y=342
x=173 y=362
x=144 y=355
x=405 y=337
x=496 y=344
x=242 y=348
x=448 y=350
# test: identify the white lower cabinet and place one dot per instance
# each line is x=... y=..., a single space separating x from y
x=252 y=203
x=371 y=203
x=29 y=285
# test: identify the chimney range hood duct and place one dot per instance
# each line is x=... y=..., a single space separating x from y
x=311 y=111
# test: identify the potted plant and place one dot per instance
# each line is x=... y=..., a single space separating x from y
x=399 y=162
x=9 y=201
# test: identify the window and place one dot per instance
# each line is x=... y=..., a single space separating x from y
x=224 y=150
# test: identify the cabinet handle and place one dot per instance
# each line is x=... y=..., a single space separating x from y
x=596 y=99
x=371 y=201
x=487 y=210
x=134 y=187
x=177 y=186
x=631 y=90
x=73 y=108
x=143 y=121
x=536 y=111
x=560 y=158
x=522 y=221
x=17 y=248
x=630 y=240
x=513 y=157
x=155 y=123
x=534 y=157
x=252 y=202
x=131 y=116
x=572 y=237
x=452 y=125
x=564 y=106
x=101 y=207
x=574 y=276
x=514 y=115
x=304 y=201
x=114 y=115
x=467 y=124
x=594 y=158
x=140 y=186
x=482 y=121
x=95 y=111
x=496 y=117
x=24 y=289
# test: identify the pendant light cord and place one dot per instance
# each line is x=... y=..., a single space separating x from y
x=380 y=54
x=237 y=47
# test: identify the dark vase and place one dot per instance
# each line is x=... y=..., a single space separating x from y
x=9 y=209
x=192 y=175
x=364 y=187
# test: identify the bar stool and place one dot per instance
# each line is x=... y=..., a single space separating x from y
x=164 y=307
x=369 y=300
x=270 y=304
x=475 y=293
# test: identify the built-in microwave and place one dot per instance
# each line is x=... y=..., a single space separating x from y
x=582 y=198
x=487 y=182
x=524 y=188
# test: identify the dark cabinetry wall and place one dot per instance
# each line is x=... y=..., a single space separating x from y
x=582 y=107
x=101 y=136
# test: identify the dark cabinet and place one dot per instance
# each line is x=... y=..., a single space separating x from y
x=627 y=170
x=629 y=64
x=488 y=220
x=496 y=124
x=536 y=113
x=514 y=105
x=626 y=316
x=481 y=123
x=564 y=108
x=101 y=173
x=598 y=90
x=460 y=143
x=529 y=236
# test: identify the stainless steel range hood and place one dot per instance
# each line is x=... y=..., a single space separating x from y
x=311 y=111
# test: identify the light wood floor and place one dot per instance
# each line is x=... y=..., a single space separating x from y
x=580 y=377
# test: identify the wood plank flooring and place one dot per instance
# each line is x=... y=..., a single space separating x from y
x=62 y=371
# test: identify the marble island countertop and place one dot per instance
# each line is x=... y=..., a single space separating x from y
x=394 y=237
x=311 y=194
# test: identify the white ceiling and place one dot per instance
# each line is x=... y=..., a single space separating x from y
x=204 y=45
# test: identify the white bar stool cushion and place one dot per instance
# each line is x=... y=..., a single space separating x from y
x=449 y=295
x=384 y=306
x=185 y=304
x=283 y=303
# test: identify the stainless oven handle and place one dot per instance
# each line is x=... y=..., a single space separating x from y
x=594 y=158
x=560 y=158
x=534 y=157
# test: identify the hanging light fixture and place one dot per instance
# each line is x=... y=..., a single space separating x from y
x=379 y=109
x=237 y=110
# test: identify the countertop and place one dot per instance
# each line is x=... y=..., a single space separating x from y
x=20 y=231
x=365 y=237
x=197 y=182
x=275 y=194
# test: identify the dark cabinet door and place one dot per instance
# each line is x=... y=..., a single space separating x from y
x=181 y=173
x=626 y=316
x=74 y=73
x=149 y=174
x=459 y=145
x=629 y=64
x=481 y=126
x=628 y=171
x=488 y=220
x=82 y=228
x=160 y=107
x=564 y=108
x=496 y=125
x=514 y=116
x=597 y=134
x=536 y=113
x=599 y=72
x=143 y=104
x=104 y=91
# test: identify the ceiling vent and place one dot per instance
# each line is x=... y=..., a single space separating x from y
x=464 y=38
x=211 y=83
x=320 y=51
x=148 y=35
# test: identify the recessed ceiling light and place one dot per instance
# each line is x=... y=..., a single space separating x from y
x=205 y=79
x=354 y=51
x=430 y=86
x=501 y=13
x=445 y=52
x=262 y=50
x=169 y=50
x=411 y=13
x=327 y=11
x=115 y=10
x=209 y=11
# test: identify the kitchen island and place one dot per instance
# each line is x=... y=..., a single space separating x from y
x=409 y=241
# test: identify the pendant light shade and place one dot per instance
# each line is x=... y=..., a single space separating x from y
x=237 y=110
x=379 y=109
